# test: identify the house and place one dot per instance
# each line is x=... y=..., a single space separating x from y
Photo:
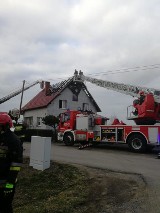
x=57 y=99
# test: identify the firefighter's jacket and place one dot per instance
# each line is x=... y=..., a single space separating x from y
x=11 y=157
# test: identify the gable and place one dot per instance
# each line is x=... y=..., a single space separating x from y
x=76 y=87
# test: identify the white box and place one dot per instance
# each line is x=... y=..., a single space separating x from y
x=40 y=152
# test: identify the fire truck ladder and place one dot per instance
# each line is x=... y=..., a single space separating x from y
x=6 y=98
x=59 y=86
x=118 y=87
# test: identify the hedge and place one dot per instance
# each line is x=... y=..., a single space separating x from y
x=26 y=135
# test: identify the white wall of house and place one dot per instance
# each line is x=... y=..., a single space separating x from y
x=67 y=95
x=33 y=118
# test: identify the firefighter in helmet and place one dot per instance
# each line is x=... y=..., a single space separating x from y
x=142 y=97
x=11 y=155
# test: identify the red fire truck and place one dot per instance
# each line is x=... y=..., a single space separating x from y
x=78 y=126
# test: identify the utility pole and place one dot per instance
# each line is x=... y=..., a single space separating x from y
x=21 y=98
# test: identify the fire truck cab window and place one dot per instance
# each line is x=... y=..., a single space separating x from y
x=65 y=117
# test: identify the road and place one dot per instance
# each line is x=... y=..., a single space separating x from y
x=110 y=158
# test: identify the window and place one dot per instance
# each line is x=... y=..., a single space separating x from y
x=62 y=104
x=65 y=116
x=75 y=97
x=85 y=106
x=39 y=121
x=29 y=121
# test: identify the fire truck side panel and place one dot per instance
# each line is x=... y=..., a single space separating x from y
x=111 y=134
x=81 y=135
x=121 y=134
x=82 y=122
x=153 y=134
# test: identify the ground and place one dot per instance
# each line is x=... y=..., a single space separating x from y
x=80 y=189
x=114 y=192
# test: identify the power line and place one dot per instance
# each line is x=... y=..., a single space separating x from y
x=119 y=71
x=124 y=70
x=109 y=72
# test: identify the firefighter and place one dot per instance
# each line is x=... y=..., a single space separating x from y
x=142 y=97
x=11 y=155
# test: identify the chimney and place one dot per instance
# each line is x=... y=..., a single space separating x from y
x=47 y=88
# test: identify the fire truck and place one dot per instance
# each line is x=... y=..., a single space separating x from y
x=88 y=127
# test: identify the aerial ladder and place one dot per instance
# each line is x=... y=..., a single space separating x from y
x=146 y=106
x=17 y=92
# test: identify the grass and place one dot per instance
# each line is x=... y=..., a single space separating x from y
x=64 y=188
x=59 y=189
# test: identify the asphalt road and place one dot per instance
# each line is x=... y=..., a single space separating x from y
x=111 y=158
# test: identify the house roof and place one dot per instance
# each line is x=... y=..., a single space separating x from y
x=39 y=101
x=42 y=100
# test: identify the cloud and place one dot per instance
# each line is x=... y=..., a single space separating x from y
x=50 y=39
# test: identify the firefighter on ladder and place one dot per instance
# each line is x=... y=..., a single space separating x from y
x=11 y=155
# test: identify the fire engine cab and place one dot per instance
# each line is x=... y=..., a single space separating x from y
x=78 y=126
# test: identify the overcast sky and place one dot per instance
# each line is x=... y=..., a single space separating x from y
x=49 y=39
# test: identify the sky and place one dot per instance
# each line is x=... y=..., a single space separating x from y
x=113 y=40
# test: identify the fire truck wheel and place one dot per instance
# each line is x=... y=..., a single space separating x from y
x=68 y=139
x=137 y=143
